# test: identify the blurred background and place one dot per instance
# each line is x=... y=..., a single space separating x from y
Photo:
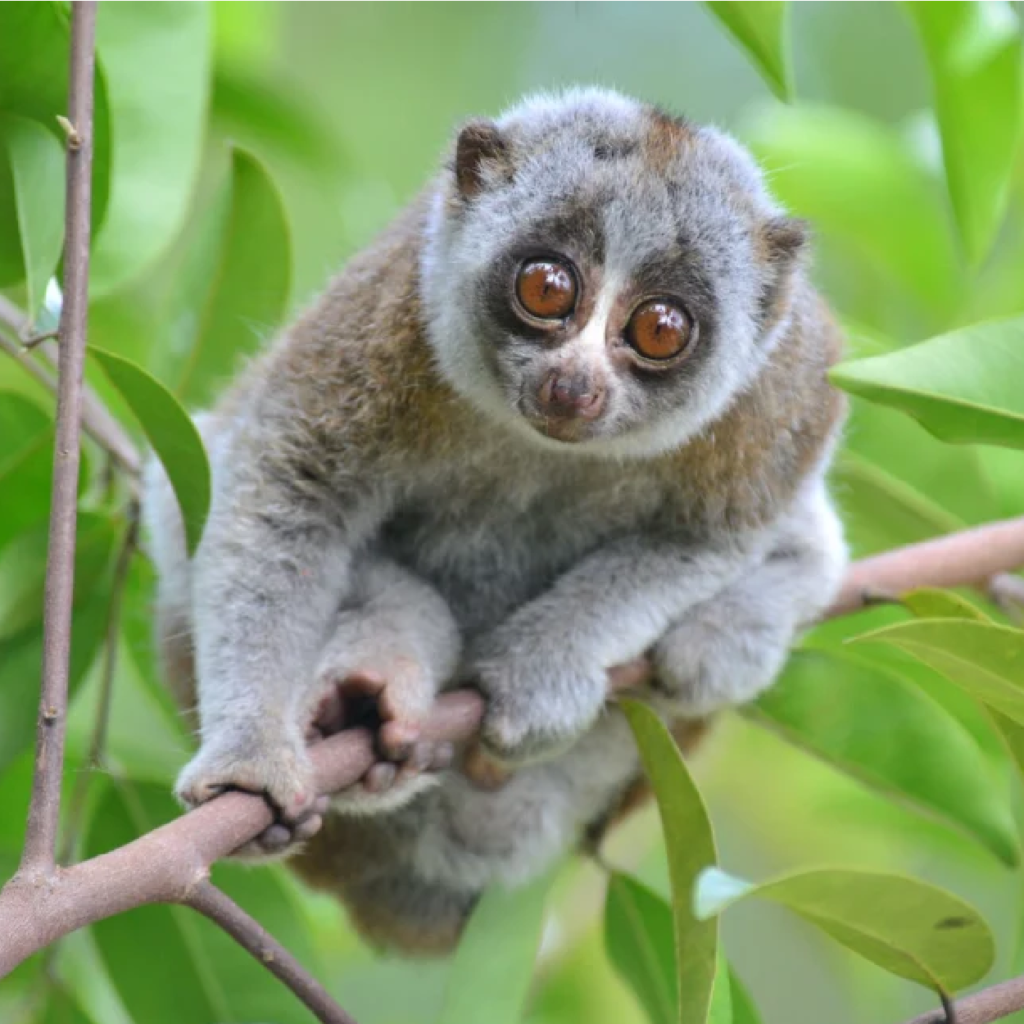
x=341 y=113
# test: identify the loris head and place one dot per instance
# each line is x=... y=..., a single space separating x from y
x=601 y=276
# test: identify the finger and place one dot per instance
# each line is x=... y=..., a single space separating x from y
x=397 y=739
x=380 y=777
x=364 y=681
x=421 y=756
x=329 y=716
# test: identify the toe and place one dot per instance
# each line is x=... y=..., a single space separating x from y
x=275 y=838
x=308 y=828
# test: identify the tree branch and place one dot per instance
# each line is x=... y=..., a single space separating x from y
x=44 y=809
x=984 y=1007
x=253 y=937
x=972 y=558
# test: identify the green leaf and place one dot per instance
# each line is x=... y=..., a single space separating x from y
x=965 y=387
x=62 y=1009
x=858 y=183
x=720 y=1011
x=35 y=41
x=26 y=464
x=201 y=975
x=985 y=659
x=251 y=279
x=929 y=603
x=505 y=920
x=760 y=28
x=155 y=59
x=872 y=725
x=31 y=206
x=690 y=846
x=638 y=935
x=743 y=1009
x=21 y=649
x=897 y=484
x=172 y=434
x=908 y=928
x=974 y=54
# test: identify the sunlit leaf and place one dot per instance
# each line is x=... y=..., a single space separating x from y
x=974 y=53
x=639 y=937
x=250 y=279
x=908 y=928
x=872 y=725
x=155 y=59
x=857 y=182
x=987 y=660
x=760 y=28
x=201 y=975
x=966 y=387
x=32 y=213
x=172 y=434
x=35 y=41
x=481 y=977
x=691 y=849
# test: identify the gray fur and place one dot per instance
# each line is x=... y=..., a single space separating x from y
x=505 y=557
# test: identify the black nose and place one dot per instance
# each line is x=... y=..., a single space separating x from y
x=570 y=394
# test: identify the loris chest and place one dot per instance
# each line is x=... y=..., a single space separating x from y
x=492 y=544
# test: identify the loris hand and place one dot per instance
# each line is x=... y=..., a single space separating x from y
x=542 y=694
x=277 y=769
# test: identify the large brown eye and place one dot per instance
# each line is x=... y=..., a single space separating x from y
x=659 y=330
x=546 y=289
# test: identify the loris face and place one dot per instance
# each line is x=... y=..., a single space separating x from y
x=601 y=276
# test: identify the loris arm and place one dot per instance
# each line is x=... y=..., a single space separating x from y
x=266 y=582
x=544 y=669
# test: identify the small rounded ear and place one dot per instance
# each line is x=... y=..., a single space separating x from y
x=785 y=238
x=480 y=143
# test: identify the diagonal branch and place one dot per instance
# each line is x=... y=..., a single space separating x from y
x=41 y=834
x=167 y=864
x=254 y=938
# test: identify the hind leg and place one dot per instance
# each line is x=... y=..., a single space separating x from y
x=393 y=649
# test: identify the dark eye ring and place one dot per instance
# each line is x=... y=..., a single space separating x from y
x=546 y=288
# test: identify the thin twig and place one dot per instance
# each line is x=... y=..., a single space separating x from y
x=98 y=741
x=37 y=339
x=44 y=809
x=208 y=900
x=97 y=421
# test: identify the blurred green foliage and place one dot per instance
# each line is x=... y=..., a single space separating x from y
x=243 y=150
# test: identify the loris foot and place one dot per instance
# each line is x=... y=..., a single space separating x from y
x=277 y=771
x=408 y=762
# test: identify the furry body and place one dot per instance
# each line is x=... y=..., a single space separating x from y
x=384 y=483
